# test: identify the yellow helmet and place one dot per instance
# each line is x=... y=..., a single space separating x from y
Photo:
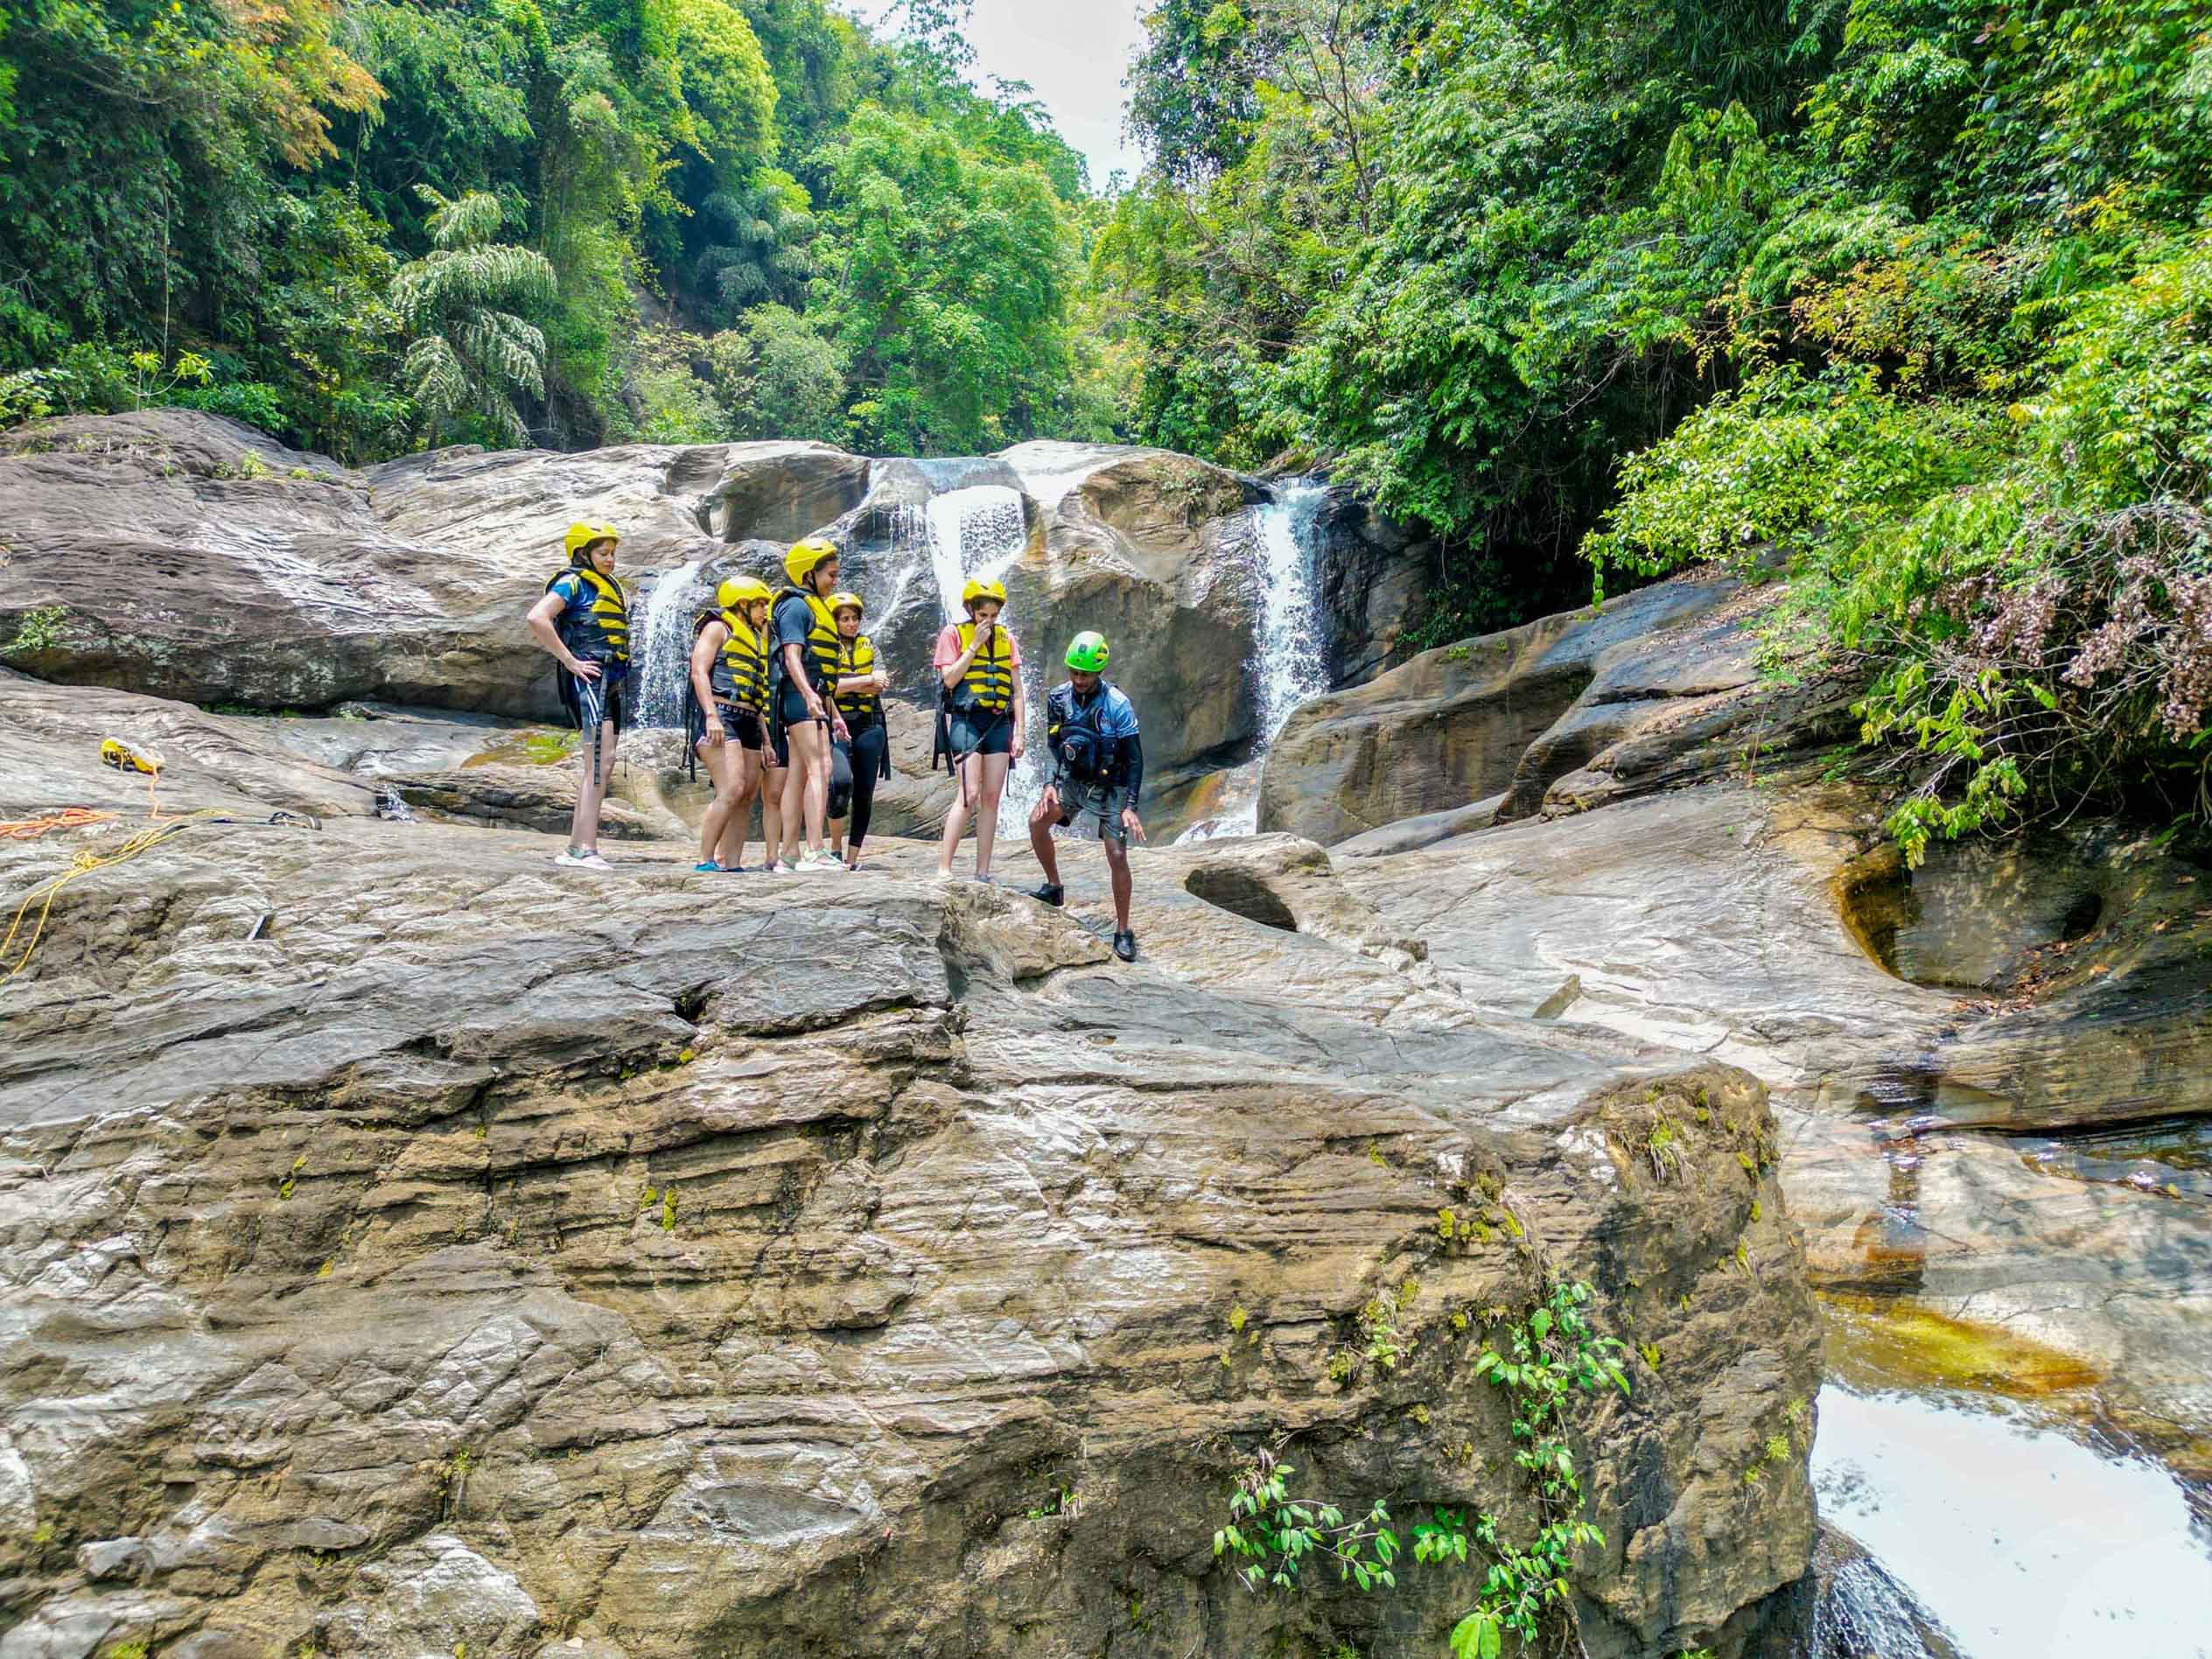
x=581 y=535
x=742 y=589
x=846 y=598
x=799 y=563
x=979 y=588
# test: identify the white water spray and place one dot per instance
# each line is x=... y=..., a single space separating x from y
x=2025 y=1544
x=1291 y=661
x=661 y=655
x=1294 y=663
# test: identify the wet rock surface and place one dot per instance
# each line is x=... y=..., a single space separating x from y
x=412 y=1245
x=185 y=556
x=1991 y=1167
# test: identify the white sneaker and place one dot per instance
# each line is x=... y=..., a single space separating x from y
x=819 y=861
x=577 y=858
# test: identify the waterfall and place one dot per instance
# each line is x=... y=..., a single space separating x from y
x=980 y=531
x=1293 y=645
x=1291 y=662
x=661 y=653
x=909 y=538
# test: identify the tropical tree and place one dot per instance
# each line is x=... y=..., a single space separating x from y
x=471 y=350
x=756 y=252
x=954 y=274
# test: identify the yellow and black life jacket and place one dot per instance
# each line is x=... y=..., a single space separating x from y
x=601 y=633
x=740 y=673
x=857 y=657
x=825 y=646
x=989 y=683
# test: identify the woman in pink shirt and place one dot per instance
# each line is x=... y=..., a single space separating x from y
x=979 y=729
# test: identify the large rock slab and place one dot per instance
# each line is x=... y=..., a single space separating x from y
x=486 y=1255
x=50 y=738
x=780 y=491
x=148 y=553
x=2010 y=1164
x=1457 y=724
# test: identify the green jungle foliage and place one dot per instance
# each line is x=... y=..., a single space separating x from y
x=384 y=223
x=1910 y=294
x=1906 y=295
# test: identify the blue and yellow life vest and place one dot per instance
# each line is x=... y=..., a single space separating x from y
x=825 y=646
x=600 y=631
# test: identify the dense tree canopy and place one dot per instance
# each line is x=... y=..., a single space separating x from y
x=702 y=181
x=1910 y=292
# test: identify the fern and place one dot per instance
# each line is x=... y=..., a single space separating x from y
x=473 y=350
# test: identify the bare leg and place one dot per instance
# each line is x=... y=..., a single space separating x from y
x=956 y=819
x=590 y=791
x=772 y=781
x=1040 y=843
x=806 y=796
x=725 y=765
x=747 y=769
x=994 y=769
x=1117 y=868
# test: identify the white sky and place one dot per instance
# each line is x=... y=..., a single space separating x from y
x=1073 y=52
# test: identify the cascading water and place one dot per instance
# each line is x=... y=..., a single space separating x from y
x=908 y=533
x=661 y=655
x=2023 y=1541
x=1294 y=663
x=975 y=532
x=979 y=532
x=1291 y=662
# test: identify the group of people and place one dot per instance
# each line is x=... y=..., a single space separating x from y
x=786 y=705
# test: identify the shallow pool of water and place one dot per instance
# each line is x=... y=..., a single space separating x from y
x=2024 y=1541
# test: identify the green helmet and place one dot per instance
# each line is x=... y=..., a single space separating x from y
x=1087 y=653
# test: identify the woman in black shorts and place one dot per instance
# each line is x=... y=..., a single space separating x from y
x=729 y=679
x=979 y=725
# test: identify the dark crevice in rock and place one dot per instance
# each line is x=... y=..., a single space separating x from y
x=2082 y=916
x=1240 y=894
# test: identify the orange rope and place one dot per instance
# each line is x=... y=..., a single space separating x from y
x=67 y=818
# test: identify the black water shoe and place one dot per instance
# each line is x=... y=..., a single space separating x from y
x=1049 y=894
x=1126 y=945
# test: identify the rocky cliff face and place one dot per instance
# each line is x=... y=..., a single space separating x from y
x=412 y=1249
x=407 y=1249
x=1992 y=1070
x=189 y=556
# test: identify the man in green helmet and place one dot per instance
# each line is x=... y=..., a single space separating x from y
x=1098 y=770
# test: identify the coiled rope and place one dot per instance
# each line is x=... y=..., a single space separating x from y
x=162 y=826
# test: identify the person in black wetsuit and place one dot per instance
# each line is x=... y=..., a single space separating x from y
x=866 y=759
x=1098 y=771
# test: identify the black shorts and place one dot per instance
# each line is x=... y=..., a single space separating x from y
x=592 y=703
x=981 y=731
x=791 y=705
x=746 y=730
